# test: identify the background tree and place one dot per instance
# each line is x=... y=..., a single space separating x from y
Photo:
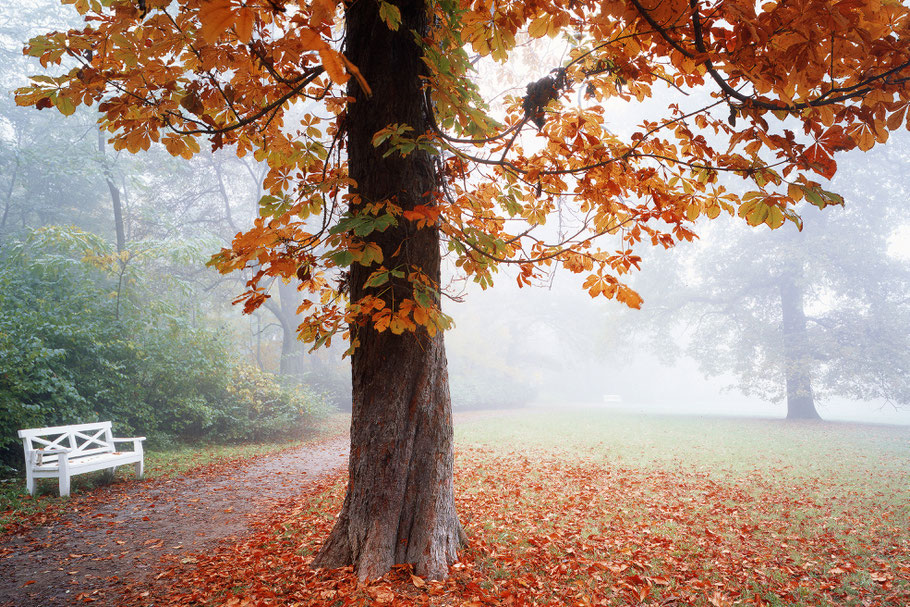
x=800 y=315
x=403 y=158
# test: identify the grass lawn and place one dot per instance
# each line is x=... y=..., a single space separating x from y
x=592 y=507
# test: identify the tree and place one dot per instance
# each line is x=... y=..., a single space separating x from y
x=800 y=316
x=382 y=150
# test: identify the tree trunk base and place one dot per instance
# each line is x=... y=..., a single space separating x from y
x=802 y=407
x=374 y=550
x=400 y=502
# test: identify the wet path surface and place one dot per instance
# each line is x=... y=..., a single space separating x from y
x=115 y=536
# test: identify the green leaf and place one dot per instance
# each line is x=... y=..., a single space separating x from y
x=833 y=198
x=390 y=14
x=273 y=206
x=377 y=278
x=813 y=196
x=342 y=258
x=423 y=298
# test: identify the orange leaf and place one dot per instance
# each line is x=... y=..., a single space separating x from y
x=244 y=25
x=216 y=16
x=334 y=67
x=322 y=12
x=360 y=79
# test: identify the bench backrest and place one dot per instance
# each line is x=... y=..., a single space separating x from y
x=81 y=439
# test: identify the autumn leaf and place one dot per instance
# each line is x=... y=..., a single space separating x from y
x=216 y=17
x=244 y=24
x=333 y=63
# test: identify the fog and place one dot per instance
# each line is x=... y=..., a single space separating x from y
x=576 y=352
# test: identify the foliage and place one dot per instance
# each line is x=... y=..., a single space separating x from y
x=793 y=84
x=260 y=407
x=76 y=346
x=570 y=518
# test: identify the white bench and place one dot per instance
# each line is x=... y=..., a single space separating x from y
x=65 y=451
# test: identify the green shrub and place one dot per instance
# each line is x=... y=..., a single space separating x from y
x=75 y=346
x=260 y=407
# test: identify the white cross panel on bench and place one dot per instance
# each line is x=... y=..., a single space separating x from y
x=65 y=451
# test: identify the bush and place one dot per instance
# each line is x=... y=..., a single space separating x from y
x=72 y=352
x=260 y=407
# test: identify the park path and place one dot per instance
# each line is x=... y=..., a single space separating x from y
x=115 y=537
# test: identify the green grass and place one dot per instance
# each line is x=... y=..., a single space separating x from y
x=716 y=445
x=16 y=504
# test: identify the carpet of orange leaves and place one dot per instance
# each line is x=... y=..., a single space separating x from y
x=543 y=531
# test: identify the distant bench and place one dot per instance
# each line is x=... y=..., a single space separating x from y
x=65 y=451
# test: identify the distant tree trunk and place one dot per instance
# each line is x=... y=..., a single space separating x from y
x=115 y=196
x=399 y=506
x=800 y=400
x=292 y=349
x=8 y=199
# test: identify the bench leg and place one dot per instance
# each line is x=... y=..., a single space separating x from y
x=64 y=484
x=29 y=482
x=140 y=468
x=64 y=473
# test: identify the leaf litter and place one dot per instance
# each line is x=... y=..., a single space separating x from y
x=544 y=531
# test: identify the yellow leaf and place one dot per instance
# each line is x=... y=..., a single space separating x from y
x=775 y=218
x=538 y=27
x=216 y=16
x=397 y=326
x=757 y=215
x=64 y=104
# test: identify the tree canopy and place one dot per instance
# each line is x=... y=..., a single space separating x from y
x=382 y=148
x=175 y=72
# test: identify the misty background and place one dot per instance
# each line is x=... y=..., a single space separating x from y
x=91 y=237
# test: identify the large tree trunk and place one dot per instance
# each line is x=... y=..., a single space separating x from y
x=800 y=400
x=399 y=506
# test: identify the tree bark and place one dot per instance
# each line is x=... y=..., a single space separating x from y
x=399 y=506
x=800 y=399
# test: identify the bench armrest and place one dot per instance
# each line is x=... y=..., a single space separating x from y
x=137 y=442
x=36 y=456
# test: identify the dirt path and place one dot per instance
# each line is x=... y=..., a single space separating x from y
x=116 y=538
